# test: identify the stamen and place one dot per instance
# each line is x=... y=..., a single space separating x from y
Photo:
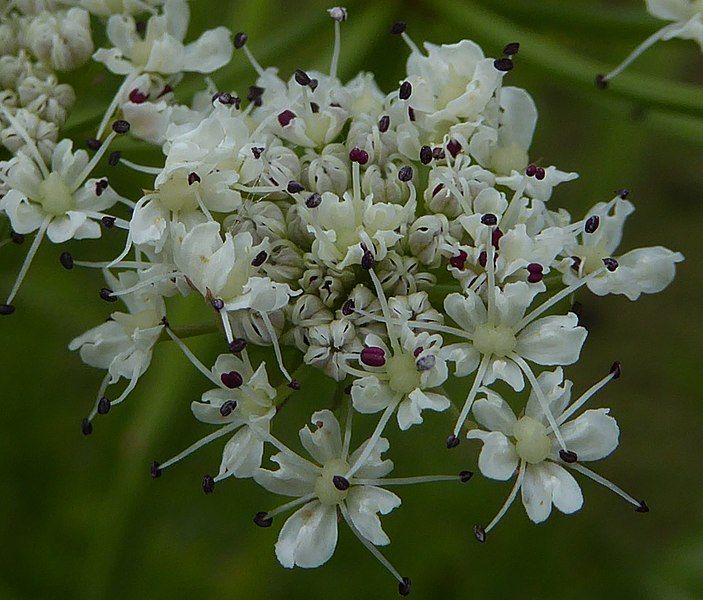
x=261 y=520
x=348 y=429
x=403 y=583
x=192 y=358
x=276 y=346
x=391 y=481
x=87 y=170
x=101 y=394
x=339 y=14
x=588 y=394
x=208 y=484
x=66 y=260
x=240 y=41
x=7 y=308
x=268 y=516
x=478 y=380
x=199 y=444
x=603 y=80
x=373 y=440
x=112 y=107
x=140 y=168
x=508 y=502
x=640 y=505
x=395 y=345
x=544 y=404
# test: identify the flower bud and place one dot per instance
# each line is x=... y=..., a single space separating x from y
x=62 y=40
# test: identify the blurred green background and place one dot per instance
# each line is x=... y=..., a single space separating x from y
x=81 y=518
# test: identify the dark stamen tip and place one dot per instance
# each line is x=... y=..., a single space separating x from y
x=592 y=224
x=425 y=155
x=405 y=173
x=384 y=123
x=341 y=483
x=120 y=126
x=240 y=39
x=406 y=90
x=601 y=81
x=86 y=426
x=358 y=155
x=465 y=476
x=237 y=345
x=568 y=456
x=104 y=406
x=285 y=117
x=511 y=49
x=193 y=178
x=294 y=187
x=367 y=261
x=259 y=259
x=262 y=520
x=294 y=384
x=218 y=304
x=453 y=441
x=17 y=238
x=108 y=222
x=616 y=369
x=398 y=27
x=623 y=193
x=489 y=219
x=314 y=200
x=373 y=356
x=93 y=143
x=405 y=586
x=480 y=533
x=106 y=294
x=611 y=264
x=114 y=158
x=227 y=408
x=155 y=470
x=232 y=379
x=503 y=64
x=642 y=508
x=208 y=484
x=301 y=77
x=66 y=260
x=348 y=308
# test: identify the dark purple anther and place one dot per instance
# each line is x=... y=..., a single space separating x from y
x=575 y=263
x=610 y=263
x=465 y=476
x=489 y=219
x=483 y=259
x=104 y=406
x=616 y=370
x=405 y=173
x=568 y=456
x=405 y=586
x=208 y=484
x=314 y=107
x=536 y=272
x=425 y=155
x=120 y=126
x=301 y=77
x=257 y=152
x=294 y=384
x=398 y=28
x=137 y=96
x=367 y=261
x=531 y=170
x=227 y=408
x=384 y=123
x=193 y=178
x=114 y=158
x=259 y=259
x=480 y=533
x=438 y=188
x=503 y=64
x=313 y=85
x=454 y=148
x=453 y=441
x=93 y=144
x=314 y=200
x=459 y=260
x=623 y=193
x=286 y=117
x=511 y=49
x=17 y=238
x=601 y=81
x=262 y=519
x=495 y=237
x=294 y=187
x=358 y=155
x=642 y=508
x=411 y=113
x=540 y=174
x=240 y=39
x=237 y=345
x=66 y=260
x=592 y=224
x=373 y=356
x=155 y=470
x=106 y=294
x=426 y=363
x=348 y=308
x=232 y=380
x=108 y=222
x=406 y=90
x=217 y=303
x=86 y=426
x=438 y=153
x=341 y=483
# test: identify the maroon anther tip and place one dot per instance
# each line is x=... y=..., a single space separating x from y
x=458 y=261
x=480 y=533
x=259 y=259
x=286 y=117
x=294 y=187
x=227 y=408
x=642 y=508
x=120 y=126
x=237 y=345
x=232 y=379
x=358 y=155
x=373 y=356
x=568 y=456
x=531 y=170
x=438 y=153
x=262 y=520
x=208 y=484
x=405 y=586
x=623 y=193
x=411 y=113
x=341 y=483
x=136 y=96
x=193 y=178
x=511 y=49
x=495 y=237
x=398 y=28
x=104 y=406
x=86 y=426
x=155 y=470
x=616 y=369
x=438 y=188
x=454 y=148
x=384 y=123
x=217 y=303
x=535 y=271
x=367 y=261
x=294 y=384
x=425 y=155
x=465 y=476
x=66 y=260
x=592 y=224
x=314 y=200
x=106 y=294
x=453 y=441
x=240 y=39
x=301 y=77
x=93 y=143
x=483 y=259
x=503 y=64
x=405 y=173
x=108 y=221
x=540 y=174
x=610 y=263
x=348 y=308
x=489 y=219
x=601 y=81
x=114 y=158
x=406 y=90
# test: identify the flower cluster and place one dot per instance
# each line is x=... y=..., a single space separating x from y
x=394 y=241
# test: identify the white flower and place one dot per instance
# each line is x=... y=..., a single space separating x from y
x=162 y=50
x=640 y=271
x=61 y=39
x=330 y=344
x=526 y=447
x=106 y=8
x=401 y=377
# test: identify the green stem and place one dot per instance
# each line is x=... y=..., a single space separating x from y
x=558 y=62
